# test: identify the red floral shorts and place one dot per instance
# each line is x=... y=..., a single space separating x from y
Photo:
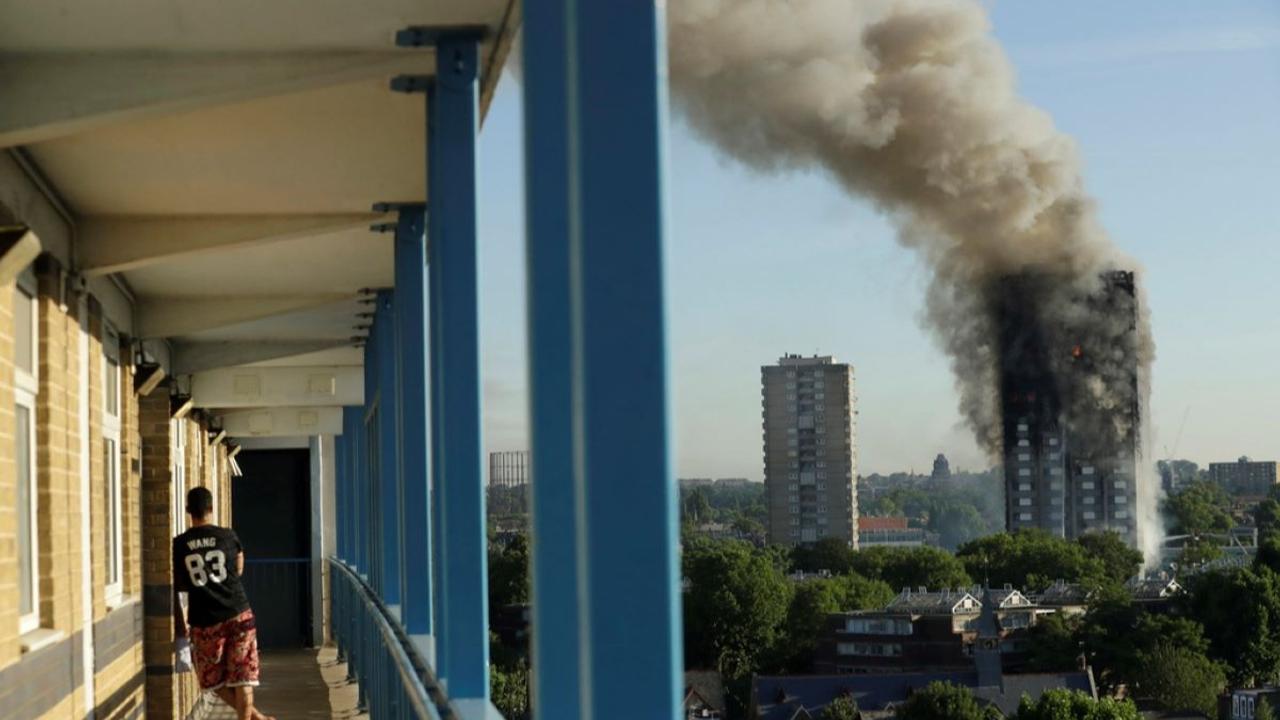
x=226 y=654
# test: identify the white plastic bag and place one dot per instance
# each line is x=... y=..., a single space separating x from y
x=182 y=655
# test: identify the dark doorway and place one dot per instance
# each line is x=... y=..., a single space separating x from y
x=271 y=512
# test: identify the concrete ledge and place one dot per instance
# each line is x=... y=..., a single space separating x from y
x=40 y=638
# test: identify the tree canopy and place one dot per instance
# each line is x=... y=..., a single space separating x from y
x=1240 y=611
x=816 y=598
x=735 y=606
x=1033 y=559
x=509 y=571
x=842 y=708
x=942 y=701
x=899 y=567
x=1200 y=507
x=1180 y=678
x=1074 y=705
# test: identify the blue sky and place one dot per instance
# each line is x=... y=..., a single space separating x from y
x=1175 y=105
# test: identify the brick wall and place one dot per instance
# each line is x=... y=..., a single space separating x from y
x=57 y=456
x=124 y=666
x=170 y=696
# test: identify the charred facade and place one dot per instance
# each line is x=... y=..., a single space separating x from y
x=1070 y=403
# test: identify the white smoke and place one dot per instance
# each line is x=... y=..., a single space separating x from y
x=912 y=104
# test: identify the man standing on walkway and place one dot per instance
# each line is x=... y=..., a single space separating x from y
x=207 y=564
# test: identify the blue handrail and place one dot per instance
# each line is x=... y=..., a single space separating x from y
x=394 y=681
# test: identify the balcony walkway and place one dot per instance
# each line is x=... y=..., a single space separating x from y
x=298 y=684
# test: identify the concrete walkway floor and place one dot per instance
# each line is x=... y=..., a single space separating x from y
x=300 y=684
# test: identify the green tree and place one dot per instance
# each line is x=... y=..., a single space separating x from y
x=956 y=522
x=735 y=607
x=813 y=601
x=1268 y=553
x=1074 y=705
x=1117 y=633
x=831 y=554
x=941 y=701
x=748 y=525
x=1198 y=551
x=1053 y=643
x=1240 y=611
x=1200 y=507
x=509 y=572
x=1030 y=559
x=1119 y=561
x=509 y=690
x=1267 y=517
x=910 y=567
x=697 y=506
x=1263 y=711
x=1180 y=679
x=842 y=708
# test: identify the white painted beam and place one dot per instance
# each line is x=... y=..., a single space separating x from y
x=256 y=387
x=115 y=244
x=175 y=316
x=283 y=422
x=192 y=357
x=50 y=95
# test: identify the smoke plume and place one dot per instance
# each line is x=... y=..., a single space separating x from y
x=912 y=104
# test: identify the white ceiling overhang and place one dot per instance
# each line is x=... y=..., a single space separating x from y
x=222 y=159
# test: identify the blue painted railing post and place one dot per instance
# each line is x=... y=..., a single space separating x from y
x=388 y=514
x=553 y=523
x=609 y=106
x=411 y=328
x=456 y=412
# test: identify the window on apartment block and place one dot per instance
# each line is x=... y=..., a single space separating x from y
x=25 y=387
x=111 y=462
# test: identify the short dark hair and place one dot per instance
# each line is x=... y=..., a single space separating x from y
x=199 y=502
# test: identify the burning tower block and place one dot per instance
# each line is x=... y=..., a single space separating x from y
x=1070 y=403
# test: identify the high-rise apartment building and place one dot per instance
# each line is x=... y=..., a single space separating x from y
x=810 y=456
x=1068 y=476
x=1245 y=477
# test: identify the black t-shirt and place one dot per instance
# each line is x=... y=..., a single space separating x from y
x=204 y=567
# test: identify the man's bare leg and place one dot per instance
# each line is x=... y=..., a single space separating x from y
x=228 y=696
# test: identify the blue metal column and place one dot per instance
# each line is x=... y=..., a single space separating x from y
x=369 y=480
x=340 y=481
x=553 y=523
x=612 y=113
x=411 y=309
x=435 y=395
x=464 y=650
x=349 y=431
x=388 y=513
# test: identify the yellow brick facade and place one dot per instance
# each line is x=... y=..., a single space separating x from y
x=132 y=639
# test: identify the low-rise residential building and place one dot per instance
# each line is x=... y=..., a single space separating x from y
x=1154 y=590
x=1066 y=598
x=947 y=614
x=921 y=631
x=703 y=695
x=1243 y=704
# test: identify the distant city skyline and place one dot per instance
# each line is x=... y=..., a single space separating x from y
x=1174 y=108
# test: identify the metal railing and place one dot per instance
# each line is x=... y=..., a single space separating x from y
x=394 y=680
x=281 y=588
